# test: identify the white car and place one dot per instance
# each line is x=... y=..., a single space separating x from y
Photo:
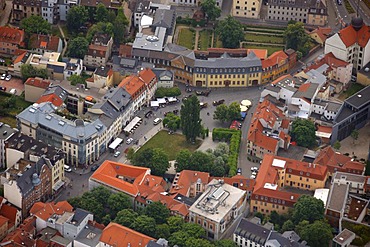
x=8 y=77
x=254 y=169
x=254 y=173
x=253 y=176
x=3 y=76
x=129 y=141
x=116 y=154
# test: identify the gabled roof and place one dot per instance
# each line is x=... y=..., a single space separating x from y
x=350 y=36
x=238 y=181
x=45 y=210
x=186 y=178
x=121 y=177
x=132 y=84
x=322 y=32
x=117 y=235
x=275 y=58
x=20 y=237
x=44 y=42
x=38 y=82
x=52 y=98
x=11 y=35
x=147 y=75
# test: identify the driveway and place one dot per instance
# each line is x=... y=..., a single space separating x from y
x=15 y=83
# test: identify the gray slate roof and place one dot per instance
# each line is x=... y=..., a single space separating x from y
x=164 y=18
x=309 y=93
x=360 y=98
x=79 y=216
x=253 y=232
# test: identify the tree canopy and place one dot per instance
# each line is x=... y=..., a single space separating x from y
x=154 y=158
x=77 y=16
x=231 y=32
x=317 y=234
x=211 y=10
x=28 y=71
x=308 y=208
x=303 y=132
x=101 y=13
x=172 y=121
x=190 y=118
x=227 y=113
x=297 y=38
x=119 y=25
x=35 y=24
x=354 y=135
x=99 y=28
x=77 y=47
x=158 y=211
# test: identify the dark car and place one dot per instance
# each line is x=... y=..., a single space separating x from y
x=239 y=171
x=218 y=102
x=202 y=93
x=3 y=89
x=148 y=114
x=94 y=168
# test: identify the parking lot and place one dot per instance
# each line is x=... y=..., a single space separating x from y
x=15 y=83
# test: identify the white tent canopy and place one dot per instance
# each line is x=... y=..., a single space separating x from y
x=246 y=102
x=154 y=104
x=161 y=101
x=243 y=108
x=132 y=124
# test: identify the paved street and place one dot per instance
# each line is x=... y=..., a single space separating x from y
x=4 y=14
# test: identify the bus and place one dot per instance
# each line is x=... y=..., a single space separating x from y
x=114 y=145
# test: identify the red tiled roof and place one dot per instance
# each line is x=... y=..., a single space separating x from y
x=121 y=177
x=260 y=53
x=3 y=220
x=9 y=212
x=324 y=129
x=97 y=50
x=53 y=98
x=330 y=60
x=336 y=161
x=46 y=210
x=304 y=87
x=20 y=237
x=322 y=32
x=120 y=236
x=350 y=36
x=125 y=50
x=45 y=42
x=275 y=58
x=281 y=78
x=19 y=58
x=185 y=179
x=147 y=75
x=11 y=35
x=238 y=181
x=133 y=85
x=38 y=82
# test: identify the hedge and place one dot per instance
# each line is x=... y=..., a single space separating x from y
x=167 y=92
x=234 y=138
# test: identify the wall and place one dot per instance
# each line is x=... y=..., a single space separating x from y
x=12 y=156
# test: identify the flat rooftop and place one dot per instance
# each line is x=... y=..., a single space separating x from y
x=337 y=197
x=360 y=98
x=97 y=93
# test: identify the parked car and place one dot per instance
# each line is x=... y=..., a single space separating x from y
x=13 y=91
x=67 y=168
x=239 y=171
x=3 y=89
x=202 y=93
x=2 y=60
x=116 y=154
x=218 y=102
x=353 y=78
x=8 y=77
x=254 y=169
x=203 y=105
x=94 y=168
x=339 y=2
x=157 y=121
x=253 y=176
x=3 y=76
x=148 y=114
x=129 y=141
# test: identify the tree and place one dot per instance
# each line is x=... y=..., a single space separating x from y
x=178 y=238
x=354 y=135
x=28 y=71
x=76 y=80
x=77 y=16
x=303 y=132
x=297 y=38
x=35 y=24
x=162 y=231
x=175 y=223
x=130 y=153
x=233 y=111
x=101 y=13
x=167 y=92
x=117 y=202
x=230 y=32
x=78 y=47
x=211 y=10
x=308 y=208
x=182 y=160
x=301 y=225
x=145 y=225
x=190 y=118
x=111 y=16
x=154 y=158
x=200 y=161
x=287 y=226
x=158 y=211
x=337 y=145
x=197 y=242
x=126 y=217
x=172 y=121
x=91 y=204
x=221 y=113
x=194 y=230
x=119 y=26
x=225 y=243
x=100 y=28
x=317 y=234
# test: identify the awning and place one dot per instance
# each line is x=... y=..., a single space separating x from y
x=243 y=108
x=58 y=185
x=161 y=101
x=154 y=104
x=246 y=102
x=322 y=134
x=132 y=124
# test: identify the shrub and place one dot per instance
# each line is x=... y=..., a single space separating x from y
x=167 y=92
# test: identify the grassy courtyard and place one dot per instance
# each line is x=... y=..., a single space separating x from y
x=354 y=88
x=171 y=144
x=186 y=38
x=205 y=39
x=20 y=105
x=263 y=38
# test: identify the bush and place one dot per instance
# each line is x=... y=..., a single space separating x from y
x=167 y=92
x=234 y=138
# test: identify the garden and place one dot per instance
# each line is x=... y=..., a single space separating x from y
x=10 y=107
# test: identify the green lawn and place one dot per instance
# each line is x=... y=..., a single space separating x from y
x=264 y=38
x=217 y=43
x=186 y=38
x=265 y=29
x=270 y=49
x=205 y=38
x=354 y=88
x=171 y=144
x=20 y=105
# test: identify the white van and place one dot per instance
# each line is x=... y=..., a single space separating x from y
x=67 y=168
x=157 y=121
